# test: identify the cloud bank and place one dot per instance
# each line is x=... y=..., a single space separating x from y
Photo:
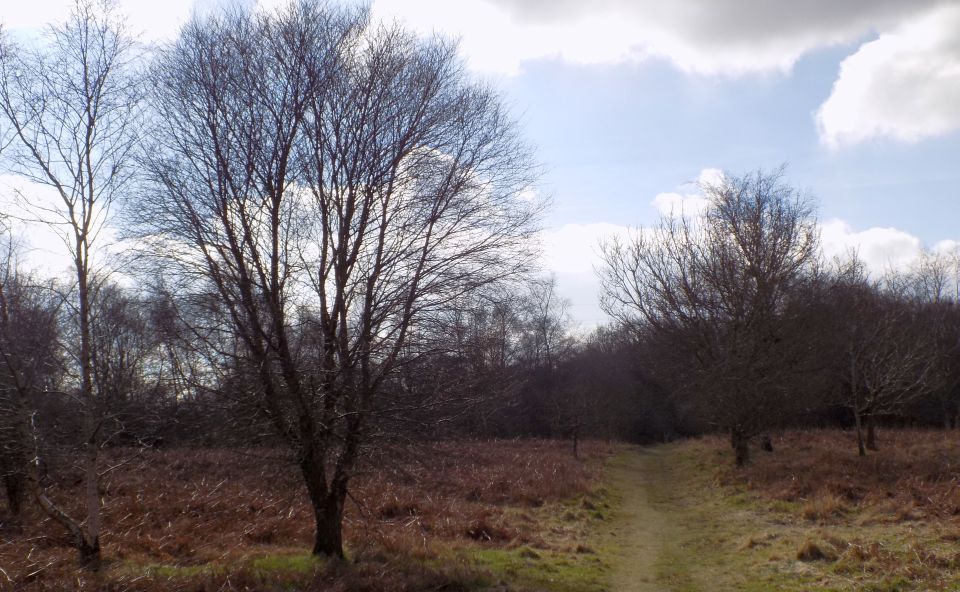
x=903 y=81
x=703 y=36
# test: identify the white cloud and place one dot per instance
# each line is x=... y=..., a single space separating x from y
x=689 y=203
x=676 y=204
x=704 y=36
x=572 y=253
x=882 y=249
x=575 y=248
x=710 y=177
x=905 y=84
x=946 y=246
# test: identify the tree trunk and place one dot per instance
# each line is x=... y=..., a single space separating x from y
x=766 y=443
x=576 y=442
x=15 y=485
x=872 y=433
x=88 y=542
x=89 y=549
x=89 y=545
x=329 y=522
x=327 y=502
x=859 y=422
x=741 y=447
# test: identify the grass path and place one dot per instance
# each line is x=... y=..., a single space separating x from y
x=641 y=525
x=676 y=530
x=679 y=526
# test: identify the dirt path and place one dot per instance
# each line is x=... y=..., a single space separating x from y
x=641 y=526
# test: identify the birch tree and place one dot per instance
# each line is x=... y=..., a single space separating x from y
x=70 y=106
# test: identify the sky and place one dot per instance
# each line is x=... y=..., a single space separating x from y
x=629 y=103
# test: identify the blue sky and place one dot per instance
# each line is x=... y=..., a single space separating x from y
x=629 y=102
x=860 y=100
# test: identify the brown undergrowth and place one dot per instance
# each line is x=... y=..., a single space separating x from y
x=887 y=521
x=914 y=475
x=204 y=520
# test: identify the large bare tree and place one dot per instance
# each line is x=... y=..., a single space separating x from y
x=70 y=105
x=335 y=182
x=713 y=291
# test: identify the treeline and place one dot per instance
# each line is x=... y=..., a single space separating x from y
x=735 y=315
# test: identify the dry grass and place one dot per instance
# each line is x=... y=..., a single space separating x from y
x=913 y=476
x=202 y=517
x=889 y=521
x=824 y=507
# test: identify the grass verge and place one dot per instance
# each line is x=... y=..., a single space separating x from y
x=811 y=516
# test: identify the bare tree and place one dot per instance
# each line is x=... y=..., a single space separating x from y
x=885 y=353
x=549 y=407
x=713 y=291
x=335 y=183
x=71 y=106
x=935 y=279
x=472 y=364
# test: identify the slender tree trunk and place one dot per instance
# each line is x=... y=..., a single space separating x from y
x=13 y=468
x=766 y=443
x=861 y=450
x=576 y=442
x=741 y=447
x=88 y=544
x=89 y=547
x=14 y=483
x=872 y=433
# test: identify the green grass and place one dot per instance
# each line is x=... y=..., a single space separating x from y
x=296 y=563
x=544 y=570
x=159 y=570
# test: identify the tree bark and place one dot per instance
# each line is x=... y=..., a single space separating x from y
x=14 y=484
x=327 y=502
x=576 y=442
x=861 y=450
x=872 y=433
x=741 y=447
x=328 y=514
x=766 y=443
x=89 y=550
